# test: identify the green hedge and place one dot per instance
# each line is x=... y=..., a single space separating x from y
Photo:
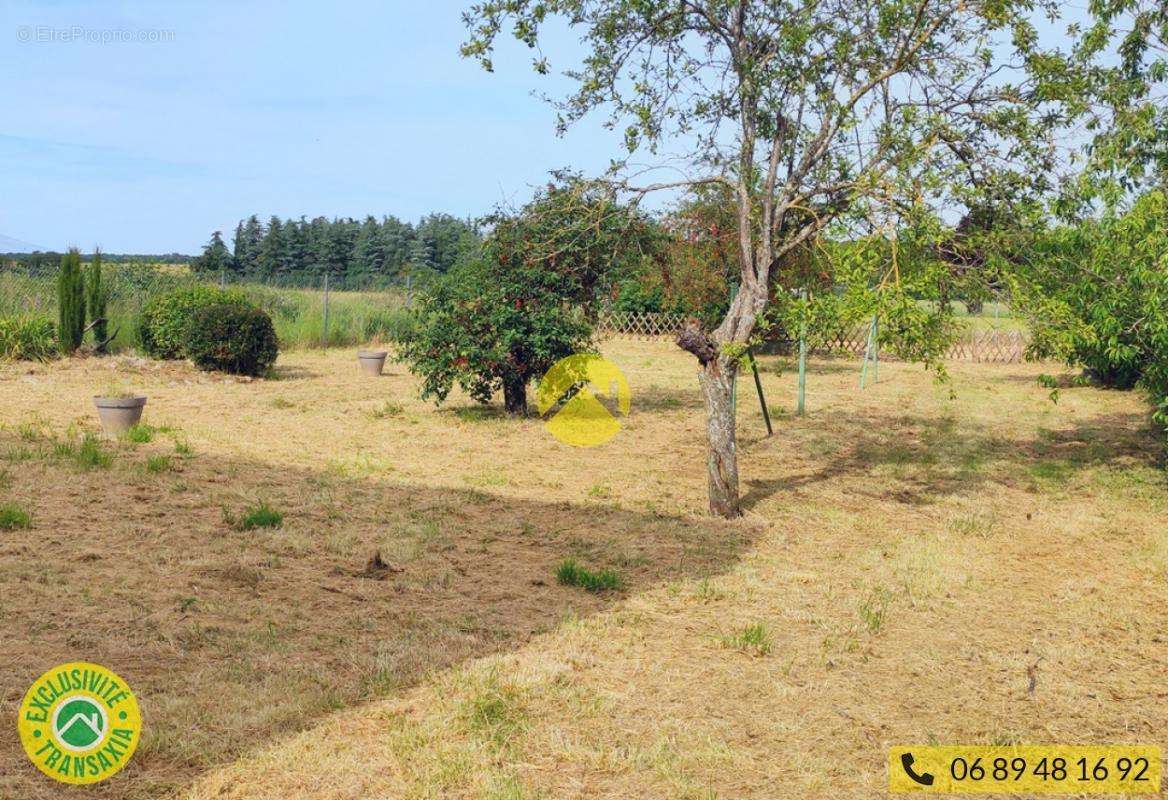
x=232 y=338
x=166 y=319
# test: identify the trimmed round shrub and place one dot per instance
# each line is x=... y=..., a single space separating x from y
x=165 y=319
x=232 y=338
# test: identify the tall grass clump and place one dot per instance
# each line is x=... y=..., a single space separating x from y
x=90 y=454
x=260 y=515
x=753 y=639
x=27 y=338
x=353 y=317
x=570 y=573
x=13 y=517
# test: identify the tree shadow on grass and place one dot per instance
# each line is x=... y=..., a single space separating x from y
x=935 y=457
x=656 y=399
x=482 y=412
x=284 y=372
x=231 y=636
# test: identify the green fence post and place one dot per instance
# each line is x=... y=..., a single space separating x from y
x=868 y=352
x=324 y=326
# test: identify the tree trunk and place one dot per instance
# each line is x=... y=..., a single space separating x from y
x=717 y=379
x=515 y=396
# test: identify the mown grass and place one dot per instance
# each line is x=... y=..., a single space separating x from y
x=896 y=544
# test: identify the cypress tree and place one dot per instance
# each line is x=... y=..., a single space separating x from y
x=253 y=234
x=70 y=302
x=97 y=298
x=271 y=248
x=239 y=249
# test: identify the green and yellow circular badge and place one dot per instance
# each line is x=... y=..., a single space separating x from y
x=79 y=723
x=581 y=398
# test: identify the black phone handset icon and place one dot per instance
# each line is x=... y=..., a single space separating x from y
x=906 y=761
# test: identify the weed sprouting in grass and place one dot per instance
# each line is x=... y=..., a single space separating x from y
x=280 y=402
x=570 y=573
x=183 y=448
x=159 y=463
x=707 y=592
x=488 y=478
x=874 y=608
x=494 y=712
x=29 y=431
x=979 y=523
x=753 y=639
x=13 y=517
x=386 y=411
x=90 y=454
x=600 y=490
x=139 y=434
x=18 y=454
x=260 y=515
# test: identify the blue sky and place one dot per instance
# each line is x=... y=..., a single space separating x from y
x=288 y=108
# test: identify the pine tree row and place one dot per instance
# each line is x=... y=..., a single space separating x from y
x=342 y=248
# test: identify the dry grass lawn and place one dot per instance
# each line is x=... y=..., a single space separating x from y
x=913 y=567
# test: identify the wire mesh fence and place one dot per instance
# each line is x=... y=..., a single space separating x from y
x=991 y=345
x=314 y=310
x=308 y=310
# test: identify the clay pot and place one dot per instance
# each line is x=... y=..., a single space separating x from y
x=372 y=361
x=119 y=414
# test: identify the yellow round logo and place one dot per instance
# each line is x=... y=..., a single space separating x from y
x=79 y=723
x=580 y=398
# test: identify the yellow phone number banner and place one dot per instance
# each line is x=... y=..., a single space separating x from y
x=1053 y=768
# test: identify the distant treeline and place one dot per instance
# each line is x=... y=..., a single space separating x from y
x=51 y=259
x=345 y=249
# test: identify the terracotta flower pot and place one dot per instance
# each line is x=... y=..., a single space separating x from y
x=372 y=361
x=119 y=414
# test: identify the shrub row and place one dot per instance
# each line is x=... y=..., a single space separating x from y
x=218 y=329
x=166 y=319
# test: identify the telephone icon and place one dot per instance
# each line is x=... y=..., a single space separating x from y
x=906 y=761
